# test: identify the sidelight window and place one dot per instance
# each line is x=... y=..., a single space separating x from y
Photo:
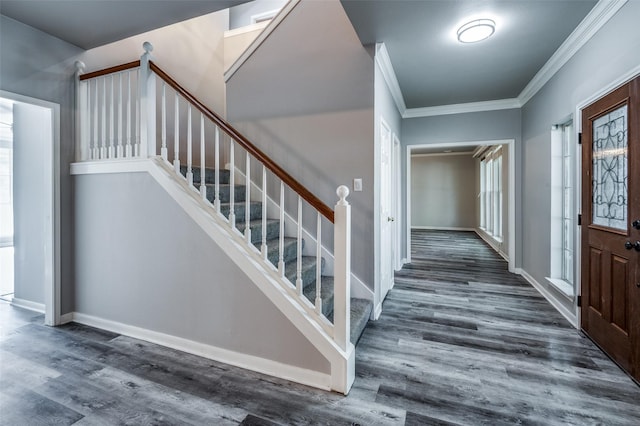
x=491 y=193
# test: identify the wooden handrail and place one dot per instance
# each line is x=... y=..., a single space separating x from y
x=307 y=195
x=110 y=70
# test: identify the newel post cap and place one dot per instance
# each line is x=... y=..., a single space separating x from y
x=343 y=193
x=148 y=47
x=79 y=66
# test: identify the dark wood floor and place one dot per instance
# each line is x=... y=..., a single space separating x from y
x=460 y=341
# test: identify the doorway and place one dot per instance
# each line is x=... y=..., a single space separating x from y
x=6 y=200
x=35 y=232
x=610 y=285
x=509 y=146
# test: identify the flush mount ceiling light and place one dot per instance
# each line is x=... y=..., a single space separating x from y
x=476 y=30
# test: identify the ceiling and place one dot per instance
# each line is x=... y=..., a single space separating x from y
x=431 y=66
x=92 y=23
x=434 y=69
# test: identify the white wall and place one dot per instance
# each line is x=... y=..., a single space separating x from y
x=443 y=191
x=611 y=53
x=307 y=102
x=142 y=261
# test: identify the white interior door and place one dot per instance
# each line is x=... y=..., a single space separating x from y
x=386 y=211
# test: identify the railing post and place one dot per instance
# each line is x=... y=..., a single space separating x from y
x=147 y=104
x=342 y=270
x=82 y=107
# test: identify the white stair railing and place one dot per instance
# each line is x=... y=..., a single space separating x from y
x=117 y=119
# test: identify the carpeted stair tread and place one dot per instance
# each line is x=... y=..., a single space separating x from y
x=255 y=211
x=209 y=176
x=290 y=250
x=240 y=193
x=326 y=292
x=308 y=270
x=273 y=230
x=360 y=314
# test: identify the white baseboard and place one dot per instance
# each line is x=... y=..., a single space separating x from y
x=66 y=318
x=377 y=311
x=493 y=243
x=248 y=362
x=27 y=304
x=570 y=316
x=443 y=228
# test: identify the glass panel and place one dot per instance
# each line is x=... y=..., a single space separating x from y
x=609 y=197
x=567 y=266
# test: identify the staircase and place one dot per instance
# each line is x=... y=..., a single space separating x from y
x=360 y=308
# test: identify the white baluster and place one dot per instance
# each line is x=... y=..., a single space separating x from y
x=163 y=148
x=232 y=181
x=90 y=115
x=138 y=141
x=147 y=86
x=112 y=126
x=128 y=152
x=103 y=138
x=216 y=189
x=247 y=202
x=119 y=149
x=319 y=266
x=81 y=113
x=189 y=148
x=96 y=124
x=203 y=174
x=263 y=248
x=342 y=270
x=176 y=136
x=299 y=254
x=281 y=265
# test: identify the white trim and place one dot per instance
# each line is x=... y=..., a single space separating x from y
x=570 y=316
x=238 y=359
x=511 y=197
x=255 y=44
x=377 y=311
x=595 y=19
x=495 y=244
x=266 y=278
x=28 y=304
x=246 y=29
x=442 y=154
x=562 y=286
x=444 y=228
x=499 y=104
x=264 y=16
x=386 y=67
x=51 y=247
x=66 y=318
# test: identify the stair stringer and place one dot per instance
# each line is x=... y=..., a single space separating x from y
x=260 y=272
x=358 y=288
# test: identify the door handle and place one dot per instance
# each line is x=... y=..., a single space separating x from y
x=636 y=224
x=390 y=219
x=629 y=245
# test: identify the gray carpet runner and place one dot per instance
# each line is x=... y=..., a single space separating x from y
x=360 y=308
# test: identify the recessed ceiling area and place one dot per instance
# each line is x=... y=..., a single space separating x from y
x=434 y=69
x=92 y=23
x=455 y=150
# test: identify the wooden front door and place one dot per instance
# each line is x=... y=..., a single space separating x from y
x=611 y=225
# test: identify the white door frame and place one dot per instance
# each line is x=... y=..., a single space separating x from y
x=396 y=166
x=52 y=209
x=511 y=198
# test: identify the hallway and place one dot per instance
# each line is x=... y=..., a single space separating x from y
x=460 y=341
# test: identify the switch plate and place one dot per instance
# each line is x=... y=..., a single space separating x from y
x=357 y=184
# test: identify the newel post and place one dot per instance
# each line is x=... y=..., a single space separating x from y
x=342 y=270
x=147 y=85
x=81 y=112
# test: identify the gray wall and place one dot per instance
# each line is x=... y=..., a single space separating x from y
x=31 y=131
x=443 y=191
x=470 y=127
x=240 y=16
x=37 y=65
x=611 y=53
x=142 y=261
x=307 y=102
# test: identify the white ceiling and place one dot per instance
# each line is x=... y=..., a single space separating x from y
x=433 y=68
x=92 y=23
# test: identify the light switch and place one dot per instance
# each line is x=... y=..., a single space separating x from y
x=357 y=184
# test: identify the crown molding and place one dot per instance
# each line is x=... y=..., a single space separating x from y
x=595 y=19
x=462 y=108
x=384 y=62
